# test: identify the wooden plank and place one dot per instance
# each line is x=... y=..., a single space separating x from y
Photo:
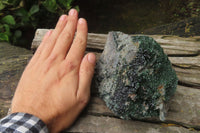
x=186 y=62
x=189 y=77
x=184 y=108
x=172 y=45
x=189 y=67
x=12 y=63
x=179 y=41
x=191 y=63
x=103 y=124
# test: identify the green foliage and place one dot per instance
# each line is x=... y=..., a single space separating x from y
x=50 y=5
x=34 y=9
x=17 y=15
x=4 y=37
x=9 y=19
x=58 y=6
x=66 y=3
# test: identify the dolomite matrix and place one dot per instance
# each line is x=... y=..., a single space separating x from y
x=134 y=77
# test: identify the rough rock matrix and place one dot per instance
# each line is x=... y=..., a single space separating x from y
x=134 y=76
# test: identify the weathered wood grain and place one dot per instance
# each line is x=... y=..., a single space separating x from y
x=104 y=124
x=184 y=108
x=173 y=45
x=186 y=62
x=187 y=68
x=12 y=63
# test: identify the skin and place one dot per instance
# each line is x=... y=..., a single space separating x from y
x=55 y=86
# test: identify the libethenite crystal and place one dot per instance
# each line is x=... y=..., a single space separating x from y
x=134 y=77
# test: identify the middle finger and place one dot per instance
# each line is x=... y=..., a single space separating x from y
x=65 y=39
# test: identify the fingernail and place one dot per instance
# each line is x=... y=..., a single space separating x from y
x=72 y=12
x=62 y=17
x=92 y=58
x=81 y=21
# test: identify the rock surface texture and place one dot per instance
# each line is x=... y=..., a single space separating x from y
x=134 y=77
x=12 y=63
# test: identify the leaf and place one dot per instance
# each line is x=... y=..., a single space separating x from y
x=4 y=37
x=9 y=19
x=50 y=5
x=77 y=8
x=69 y=1
x=18 y=34
x=66 y=3
x=24 y=15
x=1 y=14
x=34 y=9
x=14 y=2
x=21 y=12
x=7 y=29
x=2 y=6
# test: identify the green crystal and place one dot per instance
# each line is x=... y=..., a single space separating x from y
x=135 y=77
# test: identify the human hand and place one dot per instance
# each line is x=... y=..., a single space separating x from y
x=55 y=85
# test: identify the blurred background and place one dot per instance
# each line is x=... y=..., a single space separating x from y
x=20 y=18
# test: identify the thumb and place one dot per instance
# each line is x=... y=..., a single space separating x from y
x=85 y=77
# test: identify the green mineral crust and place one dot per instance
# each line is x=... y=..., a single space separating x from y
x=134 y=77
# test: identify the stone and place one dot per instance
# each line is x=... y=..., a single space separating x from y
x=12 y=63
x=135 y=77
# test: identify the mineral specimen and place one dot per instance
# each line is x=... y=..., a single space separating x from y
x=134 y=76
